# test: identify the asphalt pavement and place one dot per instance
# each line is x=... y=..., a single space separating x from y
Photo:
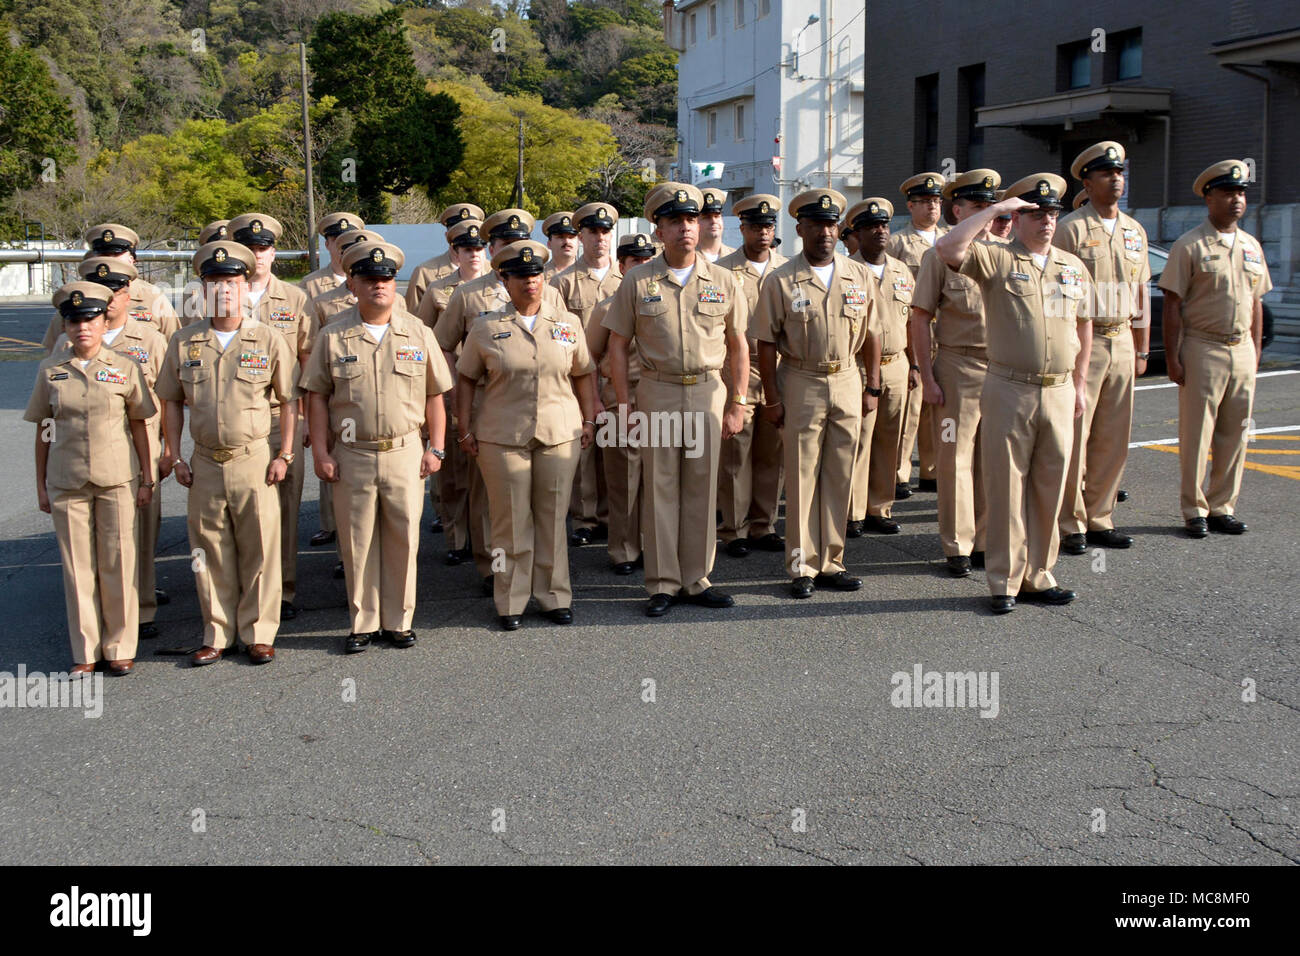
x=1153 y=721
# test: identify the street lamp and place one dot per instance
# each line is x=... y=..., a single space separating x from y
x=812 y=18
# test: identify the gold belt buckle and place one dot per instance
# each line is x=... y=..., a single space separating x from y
x=689 y=379
x=1056 y=378
x=222 y=455
x=386 y=444
x=1234 y=339
x=1111 y=331
x=830 y=367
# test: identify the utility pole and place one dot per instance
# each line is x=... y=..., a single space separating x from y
x=517 y=196
x=306 y=155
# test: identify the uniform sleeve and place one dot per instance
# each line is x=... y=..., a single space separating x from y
x=38 y=406
x=450 y=329
x=168 y=386
x=738 y=314
x=470 y=364
x=895 y=246
x=1144 y=274
x=930 y=278
x=1066 y=239
x=582 y=363
x=52 y=333
x=597 y=334
x=316 y=375
x=139 y=401
x=981 y=260
x=302 y=307
x=438 y=378
x=1266 y=281
x=168 y=323
x=621 y=317
x=415 y=289
x=429 y=311
x=769 y=316
x=1177 y=277
x=284 y=377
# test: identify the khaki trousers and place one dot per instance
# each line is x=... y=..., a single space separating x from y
x=918 y=432
x=528 y=490
x=822 y=422
x=234 y=525
x=679 y=494
x=290 y=495
x=95 y=527
x=327 y=507
x=452 y=482
x=1214 y=407
x=876 y=465
x=480 y=522
x=623 y=486
x=589 y=505
x=1025 y=435
x=378 y=502
x=955 y=435
x=1101 y=437
x=750 y=471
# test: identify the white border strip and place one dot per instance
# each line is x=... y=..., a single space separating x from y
x=1257 y=431
x=1285 y=371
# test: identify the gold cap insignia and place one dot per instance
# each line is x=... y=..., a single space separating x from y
x=514 y=222
x=101 y=270
x=1043 y=187
x=929 y=182
x=640 y=240
x=564 y=220
x=343 y=224
x=526 y=255
x=219 y=255
x=76 y=298
x=106 y=235
x=222 y=232
x=463 y=214
x=826 y=202
x=376 y=255
x=1236 y=172
x=988 y=182
x=1110 y=153
x=873 y=208
x=681 y=195
x=255 y=226
x=472 y=232
x=764 y=208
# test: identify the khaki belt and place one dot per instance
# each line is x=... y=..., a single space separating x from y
x=975 y=351
x=824 y=368
x=223 y=455
x=1045 y=379
x=383 y=444
x=886 y=359
x=694 y=378
x=1235 y=338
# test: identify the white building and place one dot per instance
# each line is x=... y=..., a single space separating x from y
x=765 y=79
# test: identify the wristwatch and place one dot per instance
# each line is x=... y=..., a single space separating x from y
x=439 y=454
x=288 y=457
x=874 y=392
x=740 y=399
x=1144 y=355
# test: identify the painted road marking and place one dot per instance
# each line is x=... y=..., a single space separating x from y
x=1282 y=471
x=1285 y=371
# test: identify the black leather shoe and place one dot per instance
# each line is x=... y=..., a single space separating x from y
x=839 y=581
x=511 y=622
x=160 y=597
x=458 y=556
x=880 y=525
x=902 y=491
x=148 y=629
x=322 y=538
x=399 y=638
x=977 y=559
x=489 y=586
x=287 y=611
x=436 y=525
x=1002 y=603
x=1226 y=524
x=580 y=537
x=853 y=529
x=1074 y=544
x=560 y=615
x=357 y=643
x=768 y=542
x=801 y=588
x=339 y=575
x=658 y=605
x=927 y=484
x=1197 y=528
x=624 y=567
x=1055 y=596
x=1110 y=538
x=959 y=566
x=1122 y=495
x=709 y=597
x=737 y=548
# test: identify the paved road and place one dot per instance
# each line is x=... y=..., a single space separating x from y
x=1128 y=702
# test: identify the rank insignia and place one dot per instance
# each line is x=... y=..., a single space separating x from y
x=377 y=255
x=111 y=376
x=254 y=360
x=101 y=270
x=219 y=255
x=106 y=235
x=410 y=355
x=77 y=298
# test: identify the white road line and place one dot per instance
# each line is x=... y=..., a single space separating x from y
x=1285 y=371
x=1174 y=441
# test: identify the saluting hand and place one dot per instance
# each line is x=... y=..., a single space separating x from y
x=429 y=463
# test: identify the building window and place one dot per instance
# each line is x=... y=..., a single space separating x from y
x=692 y=29
x=764 y=7
x=713 y=19
x=740 y=122
x=740 y=13
x=711 y=128
x=1074 y=66
x=1129 y=65
x=926 y=122
x=970 y=97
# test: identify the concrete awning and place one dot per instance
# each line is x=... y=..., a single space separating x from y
x=1076 y=106
x=1262 y=49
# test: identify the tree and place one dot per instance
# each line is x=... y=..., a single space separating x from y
x=36 y=128
x=648 y=84
x=643 y=152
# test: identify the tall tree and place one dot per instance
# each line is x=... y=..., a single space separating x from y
x=36 y=128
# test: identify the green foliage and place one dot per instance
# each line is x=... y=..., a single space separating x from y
x=35 y=121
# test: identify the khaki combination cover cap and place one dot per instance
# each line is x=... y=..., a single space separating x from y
x=673 y=199
x=873 y=209
x=923 y=184
x=979 y=185
x=458 y=211
x=381 y=259
x=1107 y=154
x=358 y=235
x=1230 y=172
x=1079 y=200
x=467 y=232
x=637 y=244
x=255 y=228
x=337 y=222
x=825 y=204
x=111 y=237
x=107 y=269
x=222 y=257
x=81 y=300
x=509 y=224
x=758 y=208
x=562 y=222
x=525 y=257
x=596 y=215
x=712 y=199
x=217 y=229
x=1046 y=189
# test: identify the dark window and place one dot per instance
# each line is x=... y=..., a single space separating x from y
x=1130 y=56
x=1074 y=65
x=970 y=97
x=926 y=124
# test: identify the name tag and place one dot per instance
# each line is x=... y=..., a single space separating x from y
x=58 y=376
x=799 y=305
x=500 y=335
x=254 y=360
x=410 y=355
x=110 y=376
x=1210 y=258
x=563 y=332
x=652 y=298
x=1090 y=243
x=1022 y=276
x=194 y=363
x=712 y=294
x=346 y=359
x=138 y=353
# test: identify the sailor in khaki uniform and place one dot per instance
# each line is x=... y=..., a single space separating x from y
x=283 y=307
x=924 y=193
x=876 y=464
x=817 y=311
x=711 y=245
x=192 y=297
x=434 y=269
x=375 y=378
x=687 y=317
x=750 y=465
x=850 y=240
x=231 y=373
x=537 y=412
x=952 y=382
x=590 y=279
x=89 y=406
x=561 y=232
x=1213 y=323
x=1113 y=246
x=329 y=276
x=622 y=460
x=468 y=248
x=1001 y=226
x=148 y=302
x=1035 y=299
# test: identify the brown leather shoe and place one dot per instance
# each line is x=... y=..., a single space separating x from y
x=77 y=669
x=121 y=668
x=205 y=655
x=261 y=653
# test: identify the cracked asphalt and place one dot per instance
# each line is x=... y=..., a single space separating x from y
x=1122 y=735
